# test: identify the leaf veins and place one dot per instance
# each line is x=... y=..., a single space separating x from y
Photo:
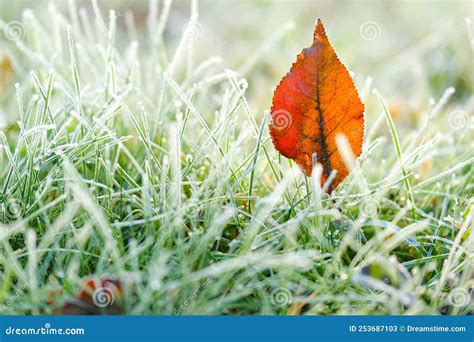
x=315 y=102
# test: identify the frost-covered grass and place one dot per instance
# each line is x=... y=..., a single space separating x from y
x=130 y=154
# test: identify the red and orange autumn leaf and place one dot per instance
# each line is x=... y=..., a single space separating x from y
x=102 y=296
x=313 y=104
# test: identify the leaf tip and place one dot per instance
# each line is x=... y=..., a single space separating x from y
x=319 y=31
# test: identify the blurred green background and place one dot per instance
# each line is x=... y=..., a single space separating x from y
x=413 y=50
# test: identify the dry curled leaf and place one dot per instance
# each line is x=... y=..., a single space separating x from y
x=313 y=104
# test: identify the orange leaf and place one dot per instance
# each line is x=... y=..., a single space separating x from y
x=102 y=296
x=315 y=102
